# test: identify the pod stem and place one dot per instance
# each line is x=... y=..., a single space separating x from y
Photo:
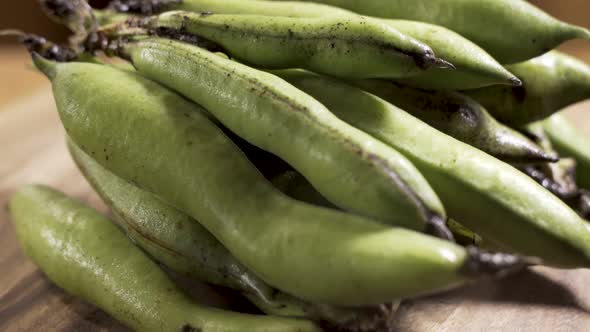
x=42 y=47
x=481 y=262
x=555 y=188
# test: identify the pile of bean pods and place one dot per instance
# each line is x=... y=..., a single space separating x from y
x=322 y=163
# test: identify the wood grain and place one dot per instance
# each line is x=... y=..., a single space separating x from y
x=33 y=150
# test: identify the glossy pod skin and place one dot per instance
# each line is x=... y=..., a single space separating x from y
x=85 y=254
x=559 y=177
x=182 y=244
x=460 y=117
x=490 y=197
x=520 y=30
x=550 y=83
x=474 y=68
x=342 y=46
x=569 y=141
x=164 y=144
x=352 y=169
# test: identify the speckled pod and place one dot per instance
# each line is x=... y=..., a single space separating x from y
x=510 y=30
x=460 y=117
x=343 y=46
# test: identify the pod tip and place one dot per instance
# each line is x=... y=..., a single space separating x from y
x=581 y=33
x=515 y=81
x=443 y=64
x=550 y=157
x=47 y=67
x=437 y=227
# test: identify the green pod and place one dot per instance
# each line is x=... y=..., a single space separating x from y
x=490 y=197
x=295 y=185
x=182 y=244
x=352 y=169
x=550 y=83
x=511 y=31
x=462 y=118
x=86 y=255
x=342 y=46
x=569 y=141
x=474 y=68
x=164 y=144
x=558 y=177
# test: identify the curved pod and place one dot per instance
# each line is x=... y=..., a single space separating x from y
x=86 y=255
x=166 y=145
x=490 y=197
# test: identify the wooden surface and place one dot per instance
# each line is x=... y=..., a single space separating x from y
x=32 y=150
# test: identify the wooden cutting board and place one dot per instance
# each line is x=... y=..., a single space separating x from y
x=32 y=150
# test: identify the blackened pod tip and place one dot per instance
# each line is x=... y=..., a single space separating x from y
x=436 y=226
x=481 y=263
x=534 y=156
x=428 y=59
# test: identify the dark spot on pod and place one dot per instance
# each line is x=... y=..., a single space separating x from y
x=519 y=93
x=207 y=13
x=189 y=328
